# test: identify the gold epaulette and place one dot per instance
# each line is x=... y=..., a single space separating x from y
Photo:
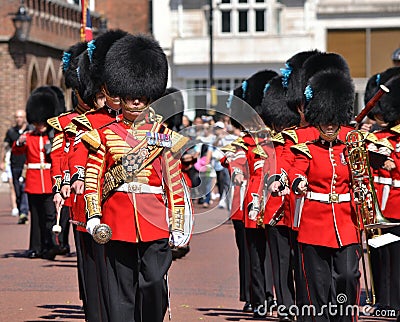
x=92 y=138
x=71 y=128
x=396 y=128
x=178 y=141
x=240 y=142
x=55 y=123
x=291 y=134
x=260 y=151
x=228 y=148
x=278 y=138
x=371 y=137
x=303 y=148
x=386 y=143
x=82 y=120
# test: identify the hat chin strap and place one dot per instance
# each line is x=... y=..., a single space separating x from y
x=326 y=137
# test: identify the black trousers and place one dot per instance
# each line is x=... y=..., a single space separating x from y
x=43 y=218
x=92 y=269
x=244 y=261
x=20 y=194
x=65 y=227
x=394 y=267
x=260 y=266
x=301 y=295
x=279 y=242
x=79 y=261
x=136 y=281
x=332 y=277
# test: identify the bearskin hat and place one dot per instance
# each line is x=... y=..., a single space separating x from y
x=293 y=78
x=252 y=89
x=324 y=61
x=69 y=66
x=91 y=62
x=274 y=110
x=329 y=98
x=370 y=89
x=389 y=103
x=60 y=107
x=136 y=66
x=251 y=93
x=42 y=104
x=373 y=86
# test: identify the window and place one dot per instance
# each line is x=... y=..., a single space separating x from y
x=243 y=16
x=243 y=20
x=226 y=21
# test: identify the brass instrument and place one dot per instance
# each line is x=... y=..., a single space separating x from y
x=366 y=202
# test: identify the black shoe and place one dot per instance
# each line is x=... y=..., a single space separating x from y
x=51 y=253
x=247 y=308
x=260 y=311
x=33 y=254
x=23 y=219
x=271 y=303
x=64 y=250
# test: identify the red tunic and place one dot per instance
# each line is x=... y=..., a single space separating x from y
x=59 y=150
x=134 y=217
x=78 y=155
x=38 y=176
x=325 y=224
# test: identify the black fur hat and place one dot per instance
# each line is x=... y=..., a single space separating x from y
x=293 y=78
x=69 y=65
x=60 y=107
x=274 y=110
x=329 y=98
x=390 y=102
x=370 y=89
x=42 y=104
x=373 y=86
x=136 y=66
x=324 y=61
x=91 y=63
x=251 y=92
x=252 y=89
x=171 y=107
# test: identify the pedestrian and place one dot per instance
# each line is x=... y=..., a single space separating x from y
x=36 y=145
x=132 y=168
x=17 y=165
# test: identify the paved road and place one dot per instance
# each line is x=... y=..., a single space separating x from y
x=204 y=284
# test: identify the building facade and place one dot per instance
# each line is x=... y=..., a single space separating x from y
x=251 y=35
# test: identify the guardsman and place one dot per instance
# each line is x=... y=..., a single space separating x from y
x=251 y=92
x=328 y=233
x=36 y=145
x=389 y=105
x=235 y=160
x=133 y=184
x=298 y=69
x=61 y=144
x=277 y=116
x=86 y=80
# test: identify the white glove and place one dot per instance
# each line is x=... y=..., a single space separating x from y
x=176 y=238
x=253 y=215
x=91 y=223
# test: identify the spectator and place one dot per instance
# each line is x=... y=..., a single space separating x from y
x=17 y=164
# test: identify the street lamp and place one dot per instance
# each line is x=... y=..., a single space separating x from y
x=22 y=23
x=212 y=97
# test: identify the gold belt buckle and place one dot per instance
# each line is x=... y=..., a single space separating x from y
x=42 y=166
x=134 y=188
x=333 y=198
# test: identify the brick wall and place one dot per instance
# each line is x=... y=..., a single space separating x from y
x=54 y=28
